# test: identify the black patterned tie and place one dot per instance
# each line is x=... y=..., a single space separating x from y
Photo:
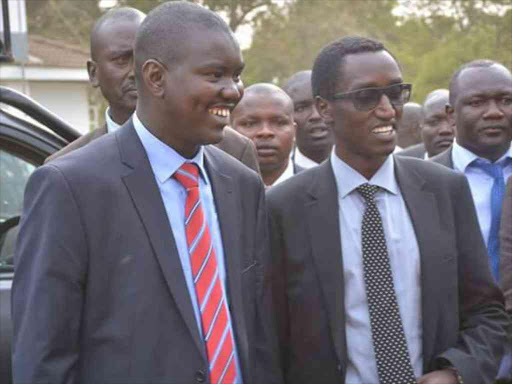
x=391 y=353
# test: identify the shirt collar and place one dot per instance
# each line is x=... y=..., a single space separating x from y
x=164 y=160
x=303 y=160
x=348 y=179
x=112 y=126
x=288 y=172
x=463 y=157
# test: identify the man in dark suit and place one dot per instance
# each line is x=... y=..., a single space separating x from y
x=380 y=273
x=480 y=106
x=313 y=139
x=111 y=69
x=265 y=115
x=143 y=256
x=437 y=132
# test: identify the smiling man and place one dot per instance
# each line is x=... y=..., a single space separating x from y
x=111 y=68
x=313 y=138
x=379 y=274
x=265 y=115
x=143 y=257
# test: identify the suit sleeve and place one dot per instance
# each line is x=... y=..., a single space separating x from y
x=482 y=318
x=49 y=282
x=506 y=248
x=269 y=370
x=249 y=157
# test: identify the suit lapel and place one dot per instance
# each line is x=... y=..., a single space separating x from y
x=444 y=158
x=424 y=213
x=323 y=221
x=228 y=207
x=146 y=197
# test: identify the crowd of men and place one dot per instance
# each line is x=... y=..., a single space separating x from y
x=149 y=251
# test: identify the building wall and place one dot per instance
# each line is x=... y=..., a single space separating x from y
x=68 y=100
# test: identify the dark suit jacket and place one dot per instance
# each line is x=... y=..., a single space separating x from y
x=444 y=158
x=233 y=143
x=463 y=318
x=506 y=248
x=99 y=295
x=417 y=150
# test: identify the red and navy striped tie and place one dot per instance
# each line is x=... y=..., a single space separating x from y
x=217 y=332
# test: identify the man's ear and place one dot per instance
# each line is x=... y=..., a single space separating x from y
x=92 y=70
x=450 y=114
x=324 y=109
x=153 y=76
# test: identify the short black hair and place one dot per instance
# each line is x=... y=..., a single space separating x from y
x=113 y=16
x=454 y=89
x=326 y=73
x=163 y=32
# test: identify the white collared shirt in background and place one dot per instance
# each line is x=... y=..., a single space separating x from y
x=112 y=126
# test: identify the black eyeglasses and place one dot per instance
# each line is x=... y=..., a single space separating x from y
x=367 y=99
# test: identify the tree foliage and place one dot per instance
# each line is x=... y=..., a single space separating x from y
x=431 y=38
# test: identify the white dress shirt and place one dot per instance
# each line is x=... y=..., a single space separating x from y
x=302 y=160
x=404 y=260
x=480 y=182
x=112 y=126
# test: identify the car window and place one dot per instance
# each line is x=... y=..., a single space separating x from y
x=14 y=174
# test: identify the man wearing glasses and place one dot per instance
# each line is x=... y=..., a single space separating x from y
x=384 y=277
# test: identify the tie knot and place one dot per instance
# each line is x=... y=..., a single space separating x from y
x=188 y=175
x=368 y=191
x=495 y=170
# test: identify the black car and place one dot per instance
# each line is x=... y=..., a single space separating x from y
x=23 y=147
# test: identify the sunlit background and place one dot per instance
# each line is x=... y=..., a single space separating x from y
x=431 y=38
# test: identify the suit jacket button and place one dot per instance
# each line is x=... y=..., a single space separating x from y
x=200 y=377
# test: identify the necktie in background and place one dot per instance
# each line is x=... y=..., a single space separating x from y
x=389 y=343
x=497 y=193
x=216 y=329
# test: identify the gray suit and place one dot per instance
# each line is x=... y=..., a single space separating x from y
x=417 y=151
x=463 y=318
x=99 y=295
x=444 y=158
x=233 y=143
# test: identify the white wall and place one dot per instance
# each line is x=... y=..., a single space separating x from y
x=68 y=100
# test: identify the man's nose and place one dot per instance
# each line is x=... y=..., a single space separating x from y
x=493 y=111
x=232 y=90
x=385 y=110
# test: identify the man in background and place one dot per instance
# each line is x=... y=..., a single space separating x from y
x=111 y=69
x=265 y=115
x=313 y=139
x=408 y=127
x=480 y=106
x=436 y=131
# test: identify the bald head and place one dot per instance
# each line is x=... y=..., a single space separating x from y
x=296 y=81
x=408 y=127
x=166 y=31
x=265 y=115
x=100 y=29
x=436 y=131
